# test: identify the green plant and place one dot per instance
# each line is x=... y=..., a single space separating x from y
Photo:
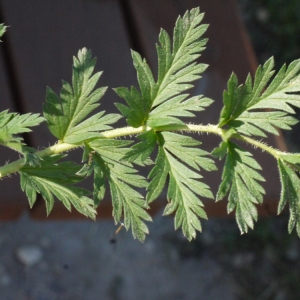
x=153 y=113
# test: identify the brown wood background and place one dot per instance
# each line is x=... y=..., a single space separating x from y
x=44 y=35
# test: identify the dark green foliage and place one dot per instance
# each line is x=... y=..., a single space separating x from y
x=56 y=179
x=67 y=115
x=153 y=112
x=240 y=179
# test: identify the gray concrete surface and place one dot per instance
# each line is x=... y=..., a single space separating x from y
x=76 y=260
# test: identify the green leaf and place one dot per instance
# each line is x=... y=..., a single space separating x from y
x=177 y=69
x=66 y=115
x=282 y=91
x=100 y=173
x=139 y=104
x=158 y=176
x=12 y=124
x=2 y=29
x=227 y=174
x=233 y=101
x=30 y=156
x=180 y=106
x=290 y=183
x=176 y=154
x=240 y=100
x=54 y=178
x=122 y=179
x=91 y=127
x=237 y=98
x=240 y=178
x=136 y=112
x=220 y=152
x=140 y=152
x=255 y=123
x=145 y=78
x=291 y=158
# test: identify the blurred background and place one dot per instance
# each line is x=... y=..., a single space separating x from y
x=274 y=28
x=65 y=257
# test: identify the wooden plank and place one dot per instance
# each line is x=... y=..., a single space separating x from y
x=44 y=35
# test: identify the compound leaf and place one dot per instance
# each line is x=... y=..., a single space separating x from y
x=136 y=112
x=140 y=152
x=65 y=114
x=255 y=123
x=176 y=154
x=177 y=65
x=12 y=124
x=240 y=178
x=282 y=91
x=91 y=127
x=54 y=178
x=241 y=100
x=122 y=178
x=166 y=113
x=177 y=69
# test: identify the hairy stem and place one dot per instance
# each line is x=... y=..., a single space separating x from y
x=61 y=147
x=261 y=145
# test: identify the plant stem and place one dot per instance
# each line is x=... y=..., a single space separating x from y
x=61 y=147
x=196 y=128
x=263 y=146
